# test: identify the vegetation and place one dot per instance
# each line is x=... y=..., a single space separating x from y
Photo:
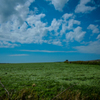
x=95 y=62
x=44 y=81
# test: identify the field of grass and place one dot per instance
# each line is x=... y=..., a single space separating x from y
x=50 y=79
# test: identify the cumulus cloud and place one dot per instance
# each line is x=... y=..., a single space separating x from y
x=35 y=19
x=12 y=31
x=94 y=28
x=71 y=22
x=83 y=8
x=19 y=24
x=12 y=8
x=92 y=47
x=57 y=42
x=66 y=22
x=64 y=28
x=77 y=35
x=5 y=44
x=66 y=16
x=69 y=25
x=24 y=26
x=58 y=4
x=55 y=24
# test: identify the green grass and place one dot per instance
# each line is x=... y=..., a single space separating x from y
x=50 y=80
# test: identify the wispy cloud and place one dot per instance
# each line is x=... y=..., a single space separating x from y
x=98 y=37
x=97 y=21
x=19 y=55
x=47 y=51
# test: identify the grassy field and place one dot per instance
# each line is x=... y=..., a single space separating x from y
x=50 y=79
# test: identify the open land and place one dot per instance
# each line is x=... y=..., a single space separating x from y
x=44 y=81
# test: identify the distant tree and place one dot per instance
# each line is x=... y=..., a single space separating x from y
x=66 y=60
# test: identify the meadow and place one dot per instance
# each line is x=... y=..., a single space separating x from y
x=44 y=81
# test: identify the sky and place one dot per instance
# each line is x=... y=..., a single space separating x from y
x=49 y=30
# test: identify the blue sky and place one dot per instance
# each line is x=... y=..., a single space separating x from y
x=49 y=30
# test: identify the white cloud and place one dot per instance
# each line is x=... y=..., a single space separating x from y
x=94 y=28
x=35 y=19
x=19 y=55
x=12 y=31
x=98 y=37
x=27 y=27
x=55 y=24
x=13 y=26
x=64 y=28
x=82 y=8
x=66 y=16
x=58 y=4
x=65 y=23
x=5 y=44
x=11 y=8
x=77 y=35
x=47 y=51
x=71 y=22
x=57 y=42
x=93 y=47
